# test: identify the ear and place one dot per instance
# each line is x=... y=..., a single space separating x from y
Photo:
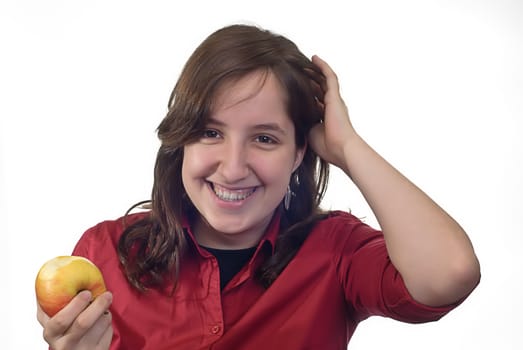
x=300 y=153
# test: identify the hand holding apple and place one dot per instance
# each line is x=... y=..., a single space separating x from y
x=60 y=279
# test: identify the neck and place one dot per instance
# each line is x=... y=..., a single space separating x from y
x=207 y=236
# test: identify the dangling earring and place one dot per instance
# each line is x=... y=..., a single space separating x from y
x=287 y=198
x=290 y=193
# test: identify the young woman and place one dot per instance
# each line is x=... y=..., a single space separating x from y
x=235 y=252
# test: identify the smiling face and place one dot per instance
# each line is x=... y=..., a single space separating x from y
x=237 y=172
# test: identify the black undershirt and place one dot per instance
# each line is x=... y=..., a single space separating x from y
x=230 y=261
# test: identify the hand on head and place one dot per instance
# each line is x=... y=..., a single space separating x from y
x=329 y=138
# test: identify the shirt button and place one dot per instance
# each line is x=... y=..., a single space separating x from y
x=215 y=329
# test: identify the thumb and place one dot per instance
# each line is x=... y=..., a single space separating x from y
x=317 y=140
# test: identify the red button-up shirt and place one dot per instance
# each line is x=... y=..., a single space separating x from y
x=340 y=276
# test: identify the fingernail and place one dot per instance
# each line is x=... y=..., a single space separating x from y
x=108 y=297
x=85 y=295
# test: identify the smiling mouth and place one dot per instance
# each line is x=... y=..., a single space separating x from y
x=231 y=195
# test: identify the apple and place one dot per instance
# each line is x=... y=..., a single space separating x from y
x=61 y=278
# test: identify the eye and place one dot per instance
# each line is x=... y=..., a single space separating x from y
x=210 y=134
x=265 y=139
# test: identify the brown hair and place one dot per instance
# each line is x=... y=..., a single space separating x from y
x=151 y=250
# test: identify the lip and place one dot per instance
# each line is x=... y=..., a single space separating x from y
x=231 y=204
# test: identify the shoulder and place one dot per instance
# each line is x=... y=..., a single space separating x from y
x=105 y=234
x=342 y=224
x=337 y=216
x=341 y=231
x=113 y=228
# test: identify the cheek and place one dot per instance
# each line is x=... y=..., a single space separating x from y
x=275 y=169
x=195 y=162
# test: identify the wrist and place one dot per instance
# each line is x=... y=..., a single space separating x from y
x=354 y=149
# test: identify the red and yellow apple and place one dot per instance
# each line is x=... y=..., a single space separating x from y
x=61 y=278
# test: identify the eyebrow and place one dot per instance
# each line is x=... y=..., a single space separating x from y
x=265 y=126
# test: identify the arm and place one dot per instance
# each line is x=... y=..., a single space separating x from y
x=79 y=325
x=429 y=249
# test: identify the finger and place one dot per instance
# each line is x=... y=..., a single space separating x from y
x=317 y=139
x=333 y=92
x=100 y=332
x=56 y=326
x=318 y=82
x=41 y=316
x=328 y=72
x=89 y=327
x=105 y=340
x=86 y=320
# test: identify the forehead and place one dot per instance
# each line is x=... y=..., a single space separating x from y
x=259 y=85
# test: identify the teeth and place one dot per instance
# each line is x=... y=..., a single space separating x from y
x=228 y=195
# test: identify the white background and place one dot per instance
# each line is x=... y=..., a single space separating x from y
x=435 y=86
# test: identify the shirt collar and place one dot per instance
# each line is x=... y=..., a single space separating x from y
x=268 y=237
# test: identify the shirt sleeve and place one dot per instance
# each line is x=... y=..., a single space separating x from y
x=371 y=283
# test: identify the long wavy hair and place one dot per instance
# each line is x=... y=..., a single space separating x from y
x=152 y=249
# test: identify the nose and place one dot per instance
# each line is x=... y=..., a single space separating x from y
x=234 y=165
